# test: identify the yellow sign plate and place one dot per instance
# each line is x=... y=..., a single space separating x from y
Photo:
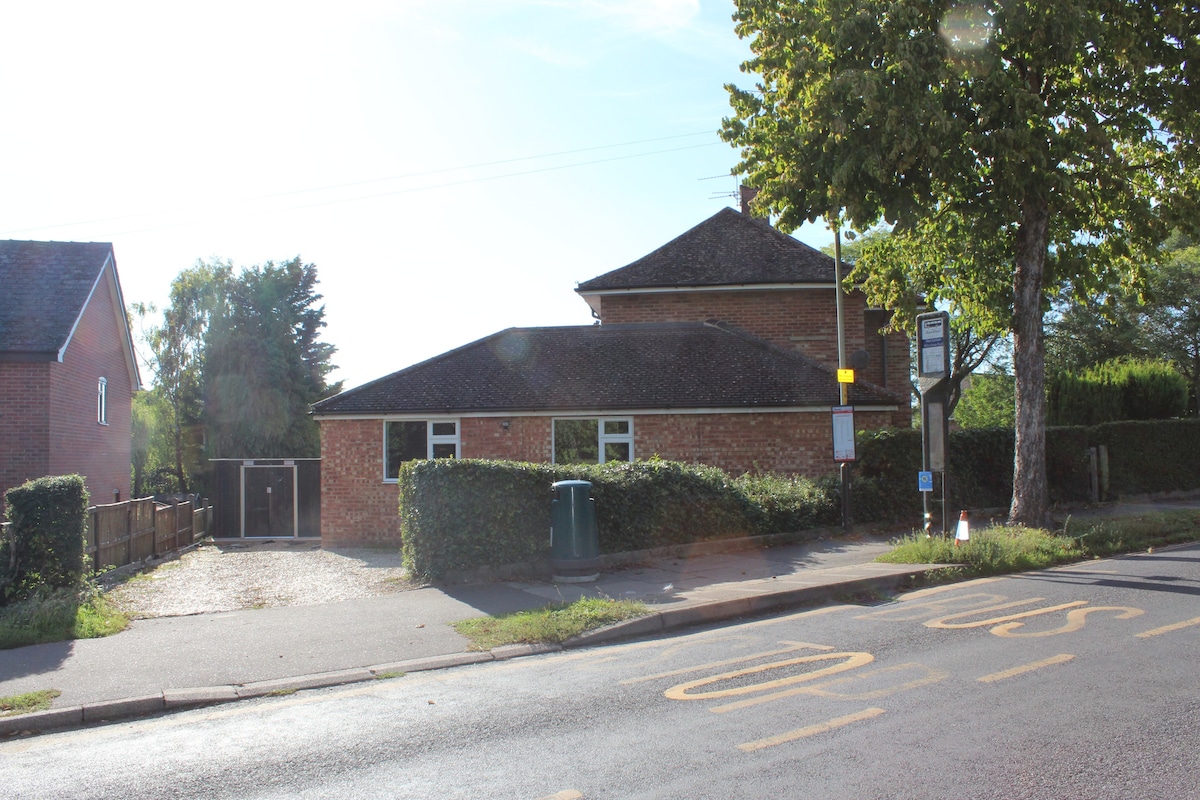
x=845 y=376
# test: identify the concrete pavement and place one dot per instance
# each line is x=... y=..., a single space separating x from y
x=178 y=662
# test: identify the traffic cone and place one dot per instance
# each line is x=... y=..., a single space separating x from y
x=963 y=534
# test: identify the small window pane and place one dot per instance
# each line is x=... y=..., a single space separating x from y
x=405 y=442
x=444 y=429
x=576 y=441
x=441 y=450
x=616 y=451
x=616 y=426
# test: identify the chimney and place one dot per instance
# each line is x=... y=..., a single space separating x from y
x=747 y=194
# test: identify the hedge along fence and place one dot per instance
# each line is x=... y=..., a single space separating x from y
x=44 y=543
x=459 y=515
x=1148 y=457
x=1121 y=389
x=462 y=515
x=980 y=469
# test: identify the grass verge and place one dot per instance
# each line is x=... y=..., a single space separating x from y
x=27 y=703
x=555 y=623
x=1000 y=550
x=58 y=616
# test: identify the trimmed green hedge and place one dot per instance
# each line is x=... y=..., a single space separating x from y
x=1121 y=389
x=459 y=515
x=44 y=546
x=1146 y=457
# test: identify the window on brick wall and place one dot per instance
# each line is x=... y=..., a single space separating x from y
x=406 y=440
x=102 y=401
x=593 y=441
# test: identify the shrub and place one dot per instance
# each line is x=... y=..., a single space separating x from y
x=460 y=515
x=1144 y=457
x=44 y=547
x=1121 y=389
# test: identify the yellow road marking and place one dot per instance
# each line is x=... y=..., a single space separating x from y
x=1075 y=621
x=851 y=661
x=793 y=647
x=1021 y=670
x=941 y=622
x=811 y=730
x=824 y=689
x=1178 y=626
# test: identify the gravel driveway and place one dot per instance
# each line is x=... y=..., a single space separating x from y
x=232 y=576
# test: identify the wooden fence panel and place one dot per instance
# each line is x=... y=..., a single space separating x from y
x=183 y=525
x=122 y=533
x=141 y=529
x=164 y=529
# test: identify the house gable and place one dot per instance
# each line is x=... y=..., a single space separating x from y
x=67 y=367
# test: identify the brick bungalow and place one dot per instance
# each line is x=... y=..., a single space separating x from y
x=720 y=347
x=67 y=367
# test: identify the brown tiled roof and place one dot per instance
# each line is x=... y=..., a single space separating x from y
x=611 y=368
x=43 y=289
x=727 y=249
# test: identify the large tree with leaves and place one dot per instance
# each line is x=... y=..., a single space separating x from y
x=970 y=347
x=1160 y=321
x=1019 y=147
x=176 y=360
x=264 y=364
x=237 y=360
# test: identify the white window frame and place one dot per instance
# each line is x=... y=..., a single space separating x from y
x=102 y=401
x=602 y=437
x=430 y=439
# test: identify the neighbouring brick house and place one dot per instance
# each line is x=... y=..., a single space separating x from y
x=67 y=367
x=720 y=348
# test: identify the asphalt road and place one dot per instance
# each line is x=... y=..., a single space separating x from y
x=1073 y=683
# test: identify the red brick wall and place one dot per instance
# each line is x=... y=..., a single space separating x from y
x=799 y=443
x=48 y=410
x=24 y=423
x=358 y=508
x=527 y=438
x=78 y=443
x=794 y=319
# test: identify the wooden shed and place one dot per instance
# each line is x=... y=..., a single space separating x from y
x=259 y=498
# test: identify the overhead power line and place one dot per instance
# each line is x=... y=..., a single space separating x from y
x=408 y=176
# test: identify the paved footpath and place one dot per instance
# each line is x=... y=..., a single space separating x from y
x=178 y=662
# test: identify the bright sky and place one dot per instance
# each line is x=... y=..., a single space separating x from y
x=453 y=168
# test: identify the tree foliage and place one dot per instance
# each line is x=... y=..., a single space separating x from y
x=264 y=364
x=237 y=360
x=1160 y=321
x=1019 y=148
x=988 y=402
x=970 y=348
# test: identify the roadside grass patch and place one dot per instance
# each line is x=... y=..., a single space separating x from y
x=1004 y=549
x=59 y=615
x=554 y=623
x=27 y=703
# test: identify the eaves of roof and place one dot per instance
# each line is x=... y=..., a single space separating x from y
x=607 y=368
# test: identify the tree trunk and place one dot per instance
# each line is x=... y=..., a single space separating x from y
x=1030 y=503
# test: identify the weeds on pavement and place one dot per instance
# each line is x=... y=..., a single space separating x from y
x=27 y=703
x=1005 y=549
x=59 y=615
x=555 y=623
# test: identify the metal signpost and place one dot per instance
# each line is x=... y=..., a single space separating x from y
x=933 y=379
